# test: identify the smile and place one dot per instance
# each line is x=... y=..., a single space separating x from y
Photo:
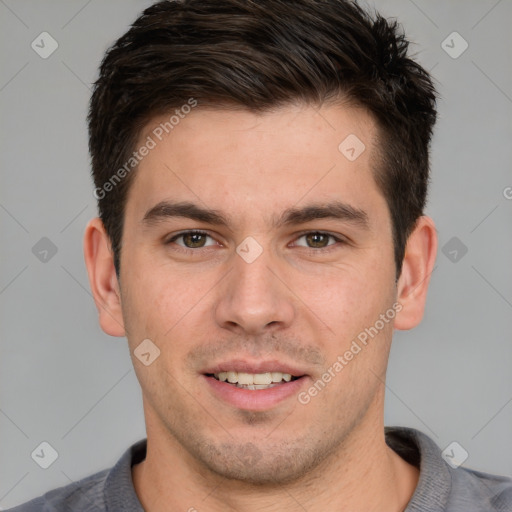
x=254 y=386
x=254 y=381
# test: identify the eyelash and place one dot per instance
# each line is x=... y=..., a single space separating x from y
x=311 y=250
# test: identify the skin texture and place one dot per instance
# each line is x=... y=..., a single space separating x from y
x=297 y=305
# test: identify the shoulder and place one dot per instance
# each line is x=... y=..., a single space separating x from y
x=443 y=484
x=475 y=490
x=85 y=495
x=108 y=490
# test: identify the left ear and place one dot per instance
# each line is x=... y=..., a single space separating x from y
x=417 y=266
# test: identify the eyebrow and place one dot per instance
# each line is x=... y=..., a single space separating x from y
x=336 y=210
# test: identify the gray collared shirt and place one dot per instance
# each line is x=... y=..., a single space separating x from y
x=440 y=488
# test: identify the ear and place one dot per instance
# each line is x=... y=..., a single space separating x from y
x=102 y=278
x=417 y=267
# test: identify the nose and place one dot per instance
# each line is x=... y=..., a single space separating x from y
x=253 y=298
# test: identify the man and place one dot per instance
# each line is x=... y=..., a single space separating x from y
x=261 y=171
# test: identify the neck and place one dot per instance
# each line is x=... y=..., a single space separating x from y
x=363 y=474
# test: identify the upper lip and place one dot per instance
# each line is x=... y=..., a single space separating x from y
x=242 y=365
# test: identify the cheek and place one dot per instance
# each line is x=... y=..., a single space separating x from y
x=348 y=299
x=166 y=304
x=145 y=288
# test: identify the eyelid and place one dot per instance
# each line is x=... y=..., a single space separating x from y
x=175 y=236
x=337 y=237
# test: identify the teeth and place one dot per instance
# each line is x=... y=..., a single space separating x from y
x=256 y=386
x=253 y=379
x=276 y=376
x=245 y=378
x=262 y=378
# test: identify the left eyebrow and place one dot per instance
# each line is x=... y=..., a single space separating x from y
x=334 y=210
x=292 y=216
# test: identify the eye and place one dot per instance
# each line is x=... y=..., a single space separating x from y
x=191 y=239
x=318 y=240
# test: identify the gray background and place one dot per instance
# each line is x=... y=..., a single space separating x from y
x=64 y=381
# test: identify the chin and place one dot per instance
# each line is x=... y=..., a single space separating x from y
x=256 y=465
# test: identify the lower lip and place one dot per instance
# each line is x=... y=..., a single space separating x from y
x=254 y=399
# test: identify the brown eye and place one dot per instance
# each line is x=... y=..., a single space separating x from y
x=317 y=240
x=191 y=239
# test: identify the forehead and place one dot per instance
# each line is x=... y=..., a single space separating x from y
x=256 y=165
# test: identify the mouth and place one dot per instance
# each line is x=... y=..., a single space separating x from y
x=253 y=381
x=254 y=386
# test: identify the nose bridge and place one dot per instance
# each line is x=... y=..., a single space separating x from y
x=253 y=297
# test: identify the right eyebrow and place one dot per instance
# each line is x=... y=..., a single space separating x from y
x=167 y=209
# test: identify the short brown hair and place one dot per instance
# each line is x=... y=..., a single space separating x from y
x=260 y=54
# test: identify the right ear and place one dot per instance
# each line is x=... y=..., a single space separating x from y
x=99 y=261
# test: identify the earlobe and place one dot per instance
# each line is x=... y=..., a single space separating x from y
x=417 y=267
x=102 y=278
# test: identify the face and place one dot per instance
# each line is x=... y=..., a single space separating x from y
x=290 y=262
